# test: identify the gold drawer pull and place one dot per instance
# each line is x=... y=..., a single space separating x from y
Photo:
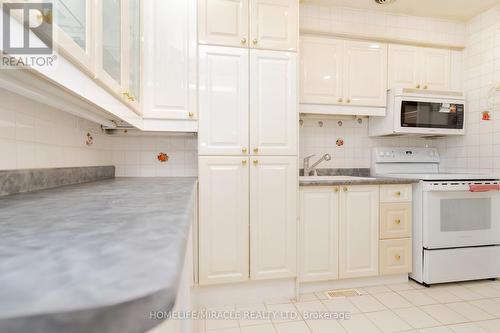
x=244 y=41
x=244 y=150
x=190 y=114
x=345 y=189
x=335 y=189
x=255 y=162
x=418 y=86
x=256 y=150
x=398 y=193
x=398 y=257
x=244 y=162
x=398 y=221
x=340 y=100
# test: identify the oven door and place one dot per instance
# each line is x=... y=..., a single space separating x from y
x=430 y=115
x=453 y=216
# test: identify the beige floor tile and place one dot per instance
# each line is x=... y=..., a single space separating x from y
x=416 y=318
x=325 y=326
x=492 y=326
x=417 y=297
x=443 y=314
x=253 y=315
x=467 y=328
x=440 y=329
x=388 y=321
x=441 y=295
x=484 y=290
x=340 y=305
x=402 y=286
x=469 y=311
x=359 y=323
x=488 y=305
x=366 y=303
x=321 y=295
x=462 y=292
x=376 y=289
x=305 y=308
x=283 y=312
x=293 y=327
x=221 y=323
x=225 y=330
x=308 y=297
x=268 y=328
x=392 y=300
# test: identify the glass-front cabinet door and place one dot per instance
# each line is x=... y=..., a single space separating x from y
x=73 y=21
x=134 y=41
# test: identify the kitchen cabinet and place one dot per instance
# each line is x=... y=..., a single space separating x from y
x=319 y=228
x=395 y=256
x=273 y=217
x=170 y=61
x=224 y=101
x=223 y=220
x=263 y=24
x=359 y=231
x=343 y=72
x=274 y=24
x=247 y=106
x=419 y=67
x=273 y=103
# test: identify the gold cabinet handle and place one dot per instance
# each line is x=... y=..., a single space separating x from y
x=255 y=41
x=190 y=114
x=335 y=189
x=418 y=86
x=345 y=189
x=340 y=100
x=348 y=100
x=126 y=94
x=255 y=162
x=398 y=257
x=425 y=87
x=131 y=98
x=244 y=150
x=256 y=150
x=244 y=162
x=244 y=41
x=398 y=221
x=398 y=193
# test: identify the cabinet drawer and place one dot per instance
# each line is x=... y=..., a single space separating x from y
x=395 y=256
x=395 y=193
x=395 y=220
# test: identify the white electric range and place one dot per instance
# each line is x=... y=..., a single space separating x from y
x=456 y=216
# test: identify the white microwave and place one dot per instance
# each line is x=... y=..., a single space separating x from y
x=421 y=112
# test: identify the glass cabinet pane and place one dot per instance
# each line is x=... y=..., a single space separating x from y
x=111 y=38
x=71 y=17
x=134 y=48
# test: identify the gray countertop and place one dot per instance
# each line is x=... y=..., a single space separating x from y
x=367 y=181
x=95 y=257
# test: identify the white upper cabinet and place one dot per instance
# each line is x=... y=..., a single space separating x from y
x=134 y=44
x=321 y=67
x=273 y=217
x=365 y=73
x=223 y=22
x=419 y=67
x=319 y=233
x=273 y=103
x=359 y=231
x=262 y=24
x=170 y=60
x=74 y=30
x=274 y=24
x=341 y=72
x=223 y=220
x=223 y=94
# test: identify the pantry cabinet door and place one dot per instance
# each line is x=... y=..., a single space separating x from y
x=319 y=224
x=223 y=22
x=365 y=73
x=273 y=103
x=403 y=67
x=435 y=68
x=273 y=217
x=321 y=66
x=359 y=231
x=274 y=24
x=223 y=220
x=223 y=96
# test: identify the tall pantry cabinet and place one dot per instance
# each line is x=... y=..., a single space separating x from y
x=248 y=133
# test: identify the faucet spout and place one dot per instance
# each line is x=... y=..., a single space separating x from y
x=308 y=169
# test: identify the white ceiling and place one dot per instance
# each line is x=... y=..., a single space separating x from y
x=447 y=9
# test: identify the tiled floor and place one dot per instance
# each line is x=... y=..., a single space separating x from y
x=472 y=307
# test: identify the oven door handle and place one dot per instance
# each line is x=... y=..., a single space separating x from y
x=484 y=188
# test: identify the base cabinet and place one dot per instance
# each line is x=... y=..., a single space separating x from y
x=359 y=230
x=247 y=218
x=319 y=230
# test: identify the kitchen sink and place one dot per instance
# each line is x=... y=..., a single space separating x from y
x=327 y=178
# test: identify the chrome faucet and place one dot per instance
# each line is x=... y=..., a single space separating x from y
x=308 y=169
